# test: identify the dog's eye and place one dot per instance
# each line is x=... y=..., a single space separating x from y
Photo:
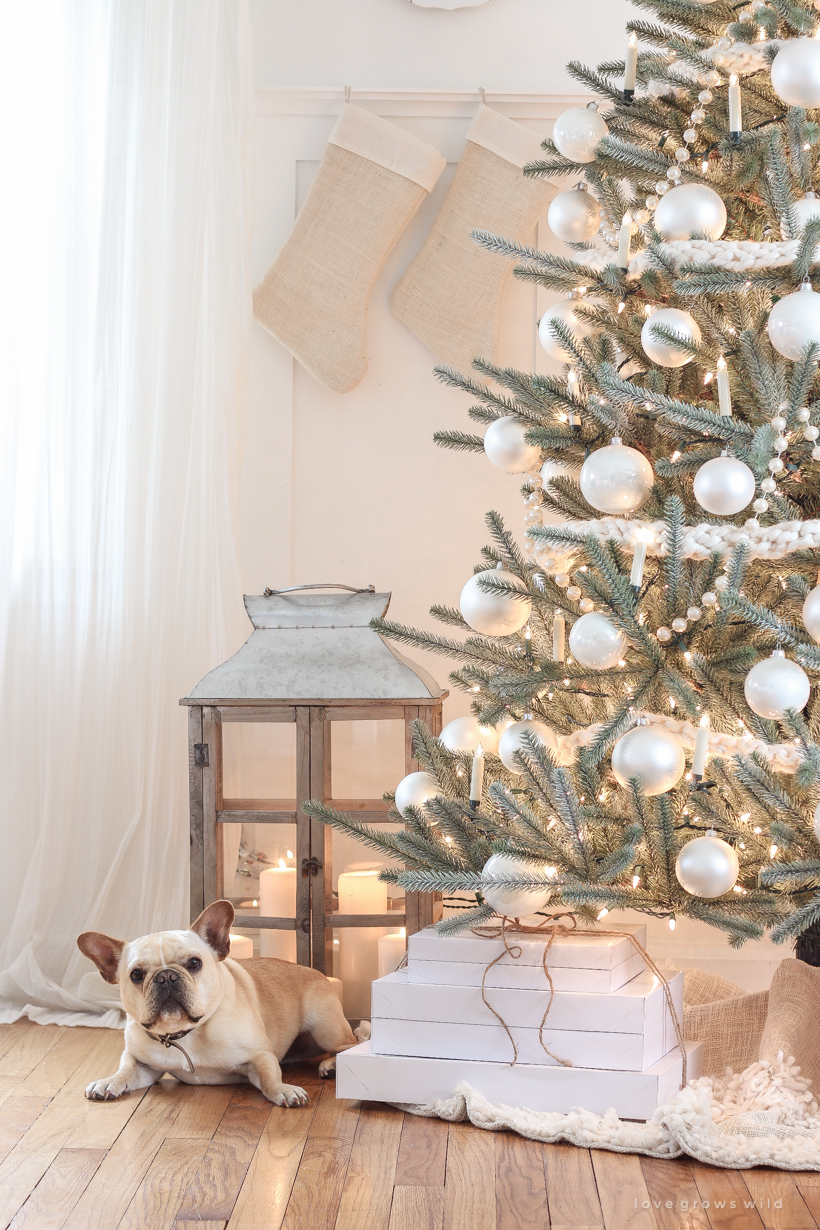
x=137 y=975
x=194 y=964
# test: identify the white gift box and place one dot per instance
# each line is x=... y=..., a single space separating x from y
x=362 y=1075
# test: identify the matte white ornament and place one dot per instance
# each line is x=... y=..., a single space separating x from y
x=564 y=311
x=796 y=72
x=724 y=486
x=807 y=209
x=594 y=641
x=775 y=685
x=811 y=613
x=616 y=479
x=465 y=733
x=794 y=322
x=494 y=614
x=652 y=754
x=574 y=216
x=506 y=446
x=414 y=791
x=510 y=741
x=657 y=349
x=690 y=209
x=576 y=134
x=707 y=867
x=515 y=902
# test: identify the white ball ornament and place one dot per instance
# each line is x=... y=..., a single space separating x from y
x=616 y=479
x=775 y=685
x=494 y=614
x=691 y=209
x=794 y=322
x=564 y=311
x=414 y=791
x=594 y=641
x=574 y=216
x=576 y=133
x=796 y=72
x=515 y=902
x=510 y=741
x=807 y=209
x=465 y=733
x=677 y=321
x=506 y=446
x=652 y=754
x=811 y=614
x=707 y=867
x=724 y=486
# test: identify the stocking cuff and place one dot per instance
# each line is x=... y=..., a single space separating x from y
x=502 y=136
x=368 y=135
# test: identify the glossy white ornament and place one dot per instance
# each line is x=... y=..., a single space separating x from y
x=707 y=867
x=657 y=349
x=724 y=486
x=807 y=209
x=574 y=216
x=563 y=310
x=494 y=614
x=576 y=133
x=616 y=479
x=414 y=791
x=811 y=613
x=465 y=733
x=796 y=72
x=506 y=446
x=691 y=209
x=515 y=902
x=652 y=754
x=594 y=641
x=510 y=741
x=775 y=685
x=794 y=322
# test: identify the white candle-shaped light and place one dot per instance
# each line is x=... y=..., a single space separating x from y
x=644 y=537
x=624 y=240
x=631 y=68
x=360 y=892
x=559 y=628
x=477 y=777
x=277 y=899
x=391 y=950
x=573 y=389
x=724 y=392
x=701 y=748
x=242 y=947
x=735 y=115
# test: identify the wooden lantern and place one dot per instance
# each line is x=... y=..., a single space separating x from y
x=312 y=659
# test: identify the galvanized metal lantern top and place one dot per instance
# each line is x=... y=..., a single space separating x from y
x=316 y=646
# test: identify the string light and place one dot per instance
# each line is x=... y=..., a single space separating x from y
x=636 y=881
x=603 y=913
x=671 y=924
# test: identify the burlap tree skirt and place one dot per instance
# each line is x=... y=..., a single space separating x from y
x=753 y=1108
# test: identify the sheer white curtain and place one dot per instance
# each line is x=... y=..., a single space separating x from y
x=125 y=295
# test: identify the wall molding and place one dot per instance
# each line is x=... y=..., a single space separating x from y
x=438 y=104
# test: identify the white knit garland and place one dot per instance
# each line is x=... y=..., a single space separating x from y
x=735 y=255
x=699 y=541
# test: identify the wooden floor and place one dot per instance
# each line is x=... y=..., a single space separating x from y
x=183 y=1157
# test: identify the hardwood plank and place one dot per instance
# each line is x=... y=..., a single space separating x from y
x=417 y=1208
x=16 y=1117
x=422 y=1152
x=199 y=1225
x=779 y=1203
x=61 y=1062
x=622 y=1191
x=469 y=1187
x=59 y=1190
x=317 y=1189
x=158 y=1197
x=371 y=1171
x=730 y=1203
x=29 y=1050
x=10 y=1035
x=213 y=1193
x=673 y=1194
x=572 y=1193
x=201 y=1111
x=808 y=1185
x=520 y=1184
x=266 y=1190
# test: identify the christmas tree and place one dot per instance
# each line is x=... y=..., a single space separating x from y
x=671 y=606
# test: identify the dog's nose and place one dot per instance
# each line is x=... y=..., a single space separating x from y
x=166 y=977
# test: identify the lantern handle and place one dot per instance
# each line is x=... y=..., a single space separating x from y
x=270 y=593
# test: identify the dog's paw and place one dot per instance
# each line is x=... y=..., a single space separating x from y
x=290 y=1095
x=327 y=1067
x=362 y=1031
x=107 y=1089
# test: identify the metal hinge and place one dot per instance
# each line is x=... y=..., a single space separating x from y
x=201 y=755
x=311 y=866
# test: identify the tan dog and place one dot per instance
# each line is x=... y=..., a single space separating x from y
x=209 y=1020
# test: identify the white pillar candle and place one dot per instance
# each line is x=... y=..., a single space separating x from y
x=631 y=69
x=735 y=115
x=701 y=748
x=559 y=628
x=277 y=899
x=724 y=392
x=241 y=947
x=624 y=240
x=360 y=892
x=477 y=777
x=639 y=558
x=391 y=950
x=573 y=389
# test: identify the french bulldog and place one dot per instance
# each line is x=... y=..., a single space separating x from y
x=206 y=1019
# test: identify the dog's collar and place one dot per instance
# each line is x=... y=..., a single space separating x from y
x=169 y=1040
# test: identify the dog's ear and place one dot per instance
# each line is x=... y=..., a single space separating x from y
x=214 y=927
x=103 y=951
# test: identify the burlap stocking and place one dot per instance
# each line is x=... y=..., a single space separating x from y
x=313 y=298
x=450 y=296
